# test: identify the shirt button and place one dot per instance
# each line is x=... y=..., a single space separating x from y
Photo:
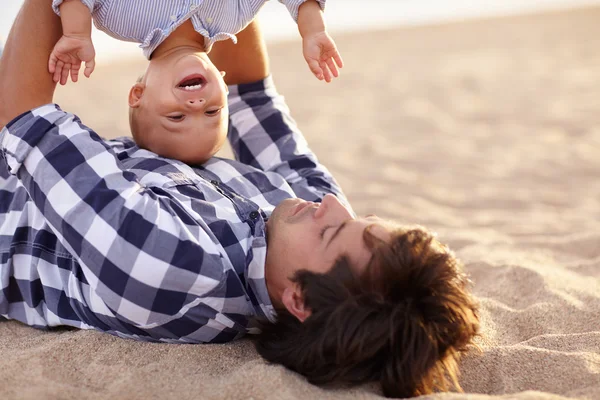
x=193 y=7
x=254 y=215
x=209 y=20
x=173 y=18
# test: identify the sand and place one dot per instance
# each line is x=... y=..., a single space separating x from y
x=487 y=132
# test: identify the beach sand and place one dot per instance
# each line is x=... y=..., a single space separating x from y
x=486 y=132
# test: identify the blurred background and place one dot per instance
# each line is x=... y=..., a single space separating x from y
x=478 y=119
x=342 y=16
x=472 y=112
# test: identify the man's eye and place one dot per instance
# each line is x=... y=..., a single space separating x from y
x=212 y=113
x=176 y=118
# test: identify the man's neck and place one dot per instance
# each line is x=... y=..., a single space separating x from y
x=184 y=36
x=274 y=292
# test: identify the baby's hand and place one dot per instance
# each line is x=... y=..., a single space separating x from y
x=320 y=52
x=67 y=56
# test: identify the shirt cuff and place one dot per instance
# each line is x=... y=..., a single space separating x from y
x=294 y=5
x=264 y=85
x=56 y=5
x=23 y=133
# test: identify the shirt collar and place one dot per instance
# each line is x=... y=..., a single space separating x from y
x=255 y=276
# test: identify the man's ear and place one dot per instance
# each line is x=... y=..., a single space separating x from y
x=294 y=303
x=381 y=232
x=135 y=94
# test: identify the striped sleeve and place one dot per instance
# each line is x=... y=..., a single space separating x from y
x=263 y=134
x=88 y=3
x=294 y=5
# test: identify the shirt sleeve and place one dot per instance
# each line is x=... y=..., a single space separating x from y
x=294 y=5
x=263 y=134
x=139 y=249
x=88 y=3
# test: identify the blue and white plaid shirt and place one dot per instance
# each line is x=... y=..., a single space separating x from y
x=102 y=234
x=149 y=22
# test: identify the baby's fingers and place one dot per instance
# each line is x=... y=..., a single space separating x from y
x=332 y=67
x=57 y=71
x=316 y=69
x=89 y=68
x=333 y=53
x=338 y=59
x=52 y=64
x=326 y=73
x=75 y=71
x=64 y=75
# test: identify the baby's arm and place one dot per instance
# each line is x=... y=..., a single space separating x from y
x=75 y=45
x=318 y=47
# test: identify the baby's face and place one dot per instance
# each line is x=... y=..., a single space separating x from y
x=180 y=107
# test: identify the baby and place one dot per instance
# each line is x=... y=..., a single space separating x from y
x=178 y=109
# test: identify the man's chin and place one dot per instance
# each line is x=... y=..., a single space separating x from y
x=285 y=208
x=279 y=213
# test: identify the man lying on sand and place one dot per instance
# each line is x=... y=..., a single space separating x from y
x=100 y=234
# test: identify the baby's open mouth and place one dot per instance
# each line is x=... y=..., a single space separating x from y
x=192 y=82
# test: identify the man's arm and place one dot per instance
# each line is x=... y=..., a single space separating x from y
x=25 y=82
x=262 y=132
x=96 y=209
x=244 y=62
x=143 y=253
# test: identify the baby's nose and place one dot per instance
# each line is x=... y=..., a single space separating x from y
x=196 y=102
x=196 y=105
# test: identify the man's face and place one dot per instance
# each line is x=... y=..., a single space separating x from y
x=312 y=236
x=182 y=108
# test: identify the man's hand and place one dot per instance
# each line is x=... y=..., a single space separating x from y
x=322 y=55
x=67 y=56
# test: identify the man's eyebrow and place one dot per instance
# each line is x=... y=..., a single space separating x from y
x=338 y=230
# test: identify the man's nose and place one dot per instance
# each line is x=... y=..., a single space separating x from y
x=331 y=205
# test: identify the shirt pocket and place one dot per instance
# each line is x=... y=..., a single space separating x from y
x=166 y=180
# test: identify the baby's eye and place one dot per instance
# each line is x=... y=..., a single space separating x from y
x=176 y=118
x=212 y=113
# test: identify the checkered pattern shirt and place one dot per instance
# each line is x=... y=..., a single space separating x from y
x=149 y=22
x=100 y=234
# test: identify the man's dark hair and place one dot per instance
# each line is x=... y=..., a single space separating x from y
x=404 y=322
